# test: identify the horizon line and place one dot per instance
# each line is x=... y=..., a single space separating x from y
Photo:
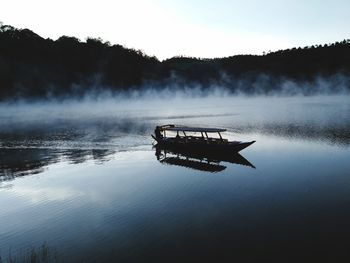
x=264 y=53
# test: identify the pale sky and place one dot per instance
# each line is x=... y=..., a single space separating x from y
x=167 y=28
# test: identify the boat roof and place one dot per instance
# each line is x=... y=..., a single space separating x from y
x=189 y=129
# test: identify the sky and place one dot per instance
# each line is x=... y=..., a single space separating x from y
x=197 y=28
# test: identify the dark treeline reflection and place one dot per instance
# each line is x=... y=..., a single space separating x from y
x=34 y=67
x=16 y=162
x=30 y=148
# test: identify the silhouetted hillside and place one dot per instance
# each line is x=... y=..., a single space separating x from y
x=32 y=67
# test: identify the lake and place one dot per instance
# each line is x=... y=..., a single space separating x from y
x=82 y=182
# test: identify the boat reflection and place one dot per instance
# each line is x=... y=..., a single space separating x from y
x=199 y=160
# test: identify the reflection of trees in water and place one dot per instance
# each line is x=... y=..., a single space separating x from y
x=40 y=254
x=29 y=149
x=20 y=162
x=101 y=155
x=76 y=156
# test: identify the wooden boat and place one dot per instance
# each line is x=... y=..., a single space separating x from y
x=183 y=140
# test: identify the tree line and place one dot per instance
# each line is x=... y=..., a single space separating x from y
x=34 y=67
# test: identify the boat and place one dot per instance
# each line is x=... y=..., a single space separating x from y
x=186 y=138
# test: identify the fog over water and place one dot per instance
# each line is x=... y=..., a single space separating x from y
x=108 y=114
x=81 y=176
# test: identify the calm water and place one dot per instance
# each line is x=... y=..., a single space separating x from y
x=83 y=179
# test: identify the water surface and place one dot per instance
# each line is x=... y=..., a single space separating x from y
x=85 y=181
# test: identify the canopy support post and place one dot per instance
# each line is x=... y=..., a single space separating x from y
x=220 y=135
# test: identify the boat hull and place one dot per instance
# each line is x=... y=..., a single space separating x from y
x=205 y=157
x=213 y=147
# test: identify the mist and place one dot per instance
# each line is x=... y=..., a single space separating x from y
x=105 y=114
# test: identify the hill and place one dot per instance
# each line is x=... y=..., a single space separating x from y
x=34 y=67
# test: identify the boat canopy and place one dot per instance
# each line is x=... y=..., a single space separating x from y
x=189 y=129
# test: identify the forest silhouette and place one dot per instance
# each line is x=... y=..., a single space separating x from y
x=34 y=67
